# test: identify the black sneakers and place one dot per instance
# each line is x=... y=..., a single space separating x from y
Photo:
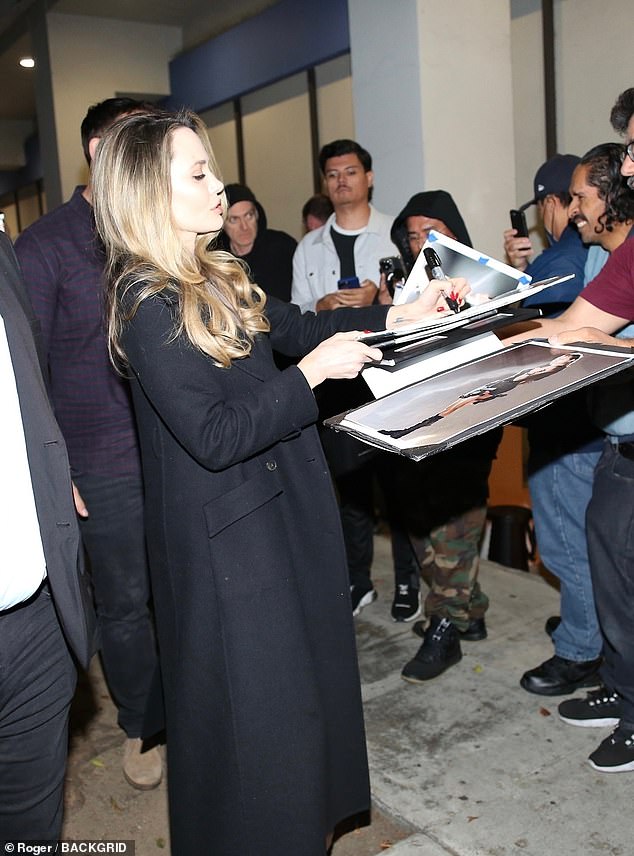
x=599 y=708
x=439 y=651
x=361 y=597
x=616 y=753
x=406 y=603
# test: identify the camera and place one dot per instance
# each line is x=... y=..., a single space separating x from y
x=392 y=267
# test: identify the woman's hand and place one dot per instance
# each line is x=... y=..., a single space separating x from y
x=342 y=356
x=430 y=302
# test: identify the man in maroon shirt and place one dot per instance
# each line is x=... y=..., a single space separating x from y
x=62 y=263
x=606 y=306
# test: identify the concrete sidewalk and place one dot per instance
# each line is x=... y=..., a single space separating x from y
x=468 y=764
x=476 y=765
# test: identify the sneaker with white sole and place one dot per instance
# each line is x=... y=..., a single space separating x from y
x=406 y=603
x=361 y=597
x=616 y=753
x=599 y=708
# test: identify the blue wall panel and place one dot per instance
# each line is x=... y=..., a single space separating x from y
x=283 y=40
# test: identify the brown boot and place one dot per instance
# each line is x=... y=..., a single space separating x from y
x=142 y=770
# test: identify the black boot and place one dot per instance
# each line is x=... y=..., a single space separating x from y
x=439 y=651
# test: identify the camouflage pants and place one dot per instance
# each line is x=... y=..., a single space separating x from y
x=449 y=558
x=445 y=497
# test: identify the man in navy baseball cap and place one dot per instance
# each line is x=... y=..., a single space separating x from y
x=553 y=178
x=565 y=252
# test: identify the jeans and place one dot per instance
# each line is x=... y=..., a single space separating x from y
x=611 y=549
x=37 y=683
x=561 y=487
x=114 y=539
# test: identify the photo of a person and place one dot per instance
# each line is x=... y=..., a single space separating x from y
x=487 y=277
x=491 y=390
x=439 y=411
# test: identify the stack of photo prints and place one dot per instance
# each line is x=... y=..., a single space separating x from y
x=446 y=380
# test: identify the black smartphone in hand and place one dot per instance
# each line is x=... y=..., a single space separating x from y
x=518 y=222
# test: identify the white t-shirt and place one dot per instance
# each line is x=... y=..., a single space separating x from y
x=22 y=562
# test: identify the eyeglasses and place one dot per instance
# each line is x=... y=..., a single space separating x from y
x=247 y=218
x=628 y=151
x=418 y=237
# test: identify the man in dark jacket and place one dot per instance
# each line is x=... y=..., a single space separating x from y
x=565 y=252
x=434 y=209
x=566 y=446
x=448 y=492
x=45 y=618
x=62 y=264
x=268 y=252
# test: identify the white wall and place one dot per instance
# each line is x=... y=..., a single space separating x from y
x=467 y=109
x=433 y=104
x=277 y=150
x=222 y=133
x=595 y=63
x=386 y=92
x=96 y=58
x=335 y=112
x=528 y=100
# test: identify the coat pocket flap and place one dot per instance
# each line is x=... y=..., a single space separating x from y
x=241 y=501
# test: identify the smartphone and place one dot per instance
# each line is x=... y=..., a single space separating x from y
x=518 y=222
x=349 y=282
x=392 y=267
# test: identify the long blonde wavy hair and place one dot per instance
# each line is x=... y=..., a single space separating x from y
x=219 y=309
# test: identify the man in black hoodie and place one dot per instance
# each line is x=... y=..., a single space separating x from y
x=448 y=492
x=434 y=209
x=268 y=252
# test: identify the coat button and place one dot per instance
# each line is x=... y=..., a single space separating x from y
x=271 y=465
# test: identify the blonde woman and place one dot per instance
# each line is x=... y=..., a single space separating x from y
x=265 y=738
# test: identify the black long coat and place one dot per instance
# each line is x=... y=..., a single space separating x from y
x=265 y=739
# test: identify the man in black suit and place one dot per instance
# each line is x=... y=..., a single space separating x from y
x=45 y=618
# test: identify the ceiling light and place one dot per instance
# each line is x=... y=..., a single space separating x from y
x=27 y=62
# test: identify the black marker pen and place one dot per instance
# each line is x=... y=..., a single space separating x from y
x=433 y=261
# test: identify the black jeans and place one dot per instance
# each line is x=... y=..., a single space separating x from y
x=610 y=530
x=114 y=538
x=37 y=682
x=356 y=505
